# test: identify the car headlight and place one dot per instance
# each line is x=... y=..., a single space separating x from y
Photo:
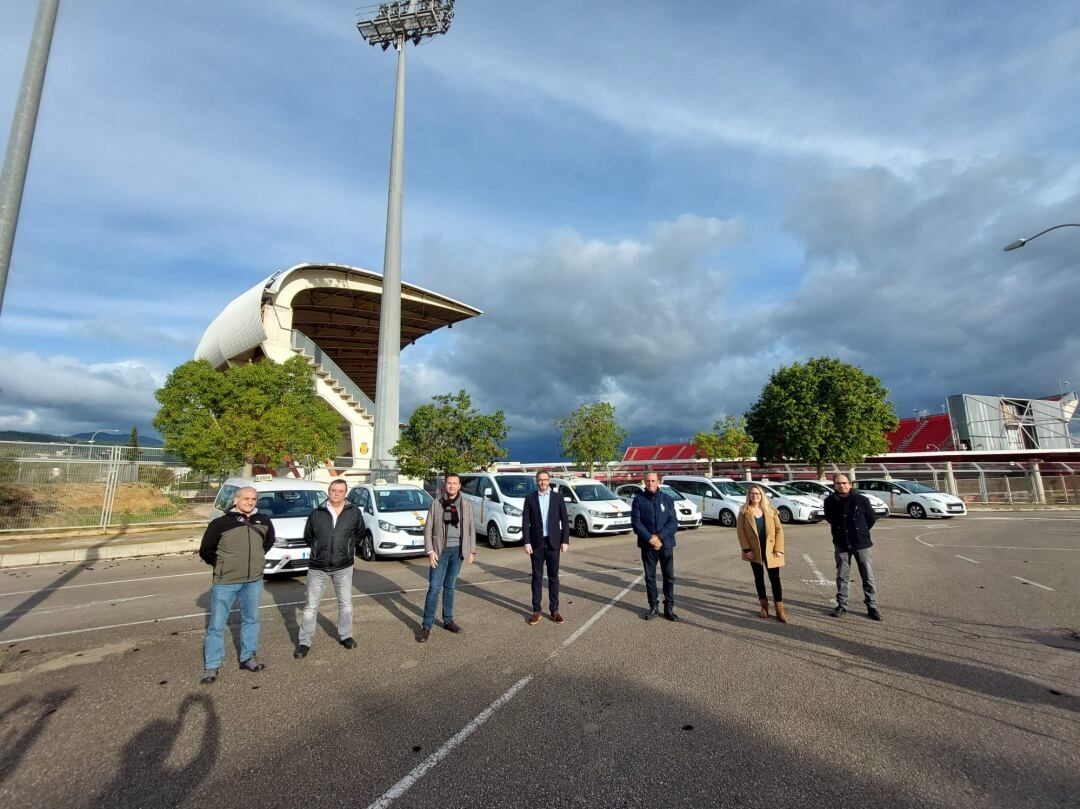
x=511 y=511
x=389 y=527
x=599 y=513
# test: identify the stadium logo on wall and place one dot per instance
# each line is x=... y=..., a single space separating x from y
x=363 y=448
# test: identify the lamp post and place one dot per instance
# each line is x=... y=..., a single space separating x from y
x=1021 y=242
x=395 y=24
x=95 y=434
x=17 y=155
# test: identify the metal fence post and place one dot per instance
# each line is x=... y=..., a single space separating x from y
x=1036 y=479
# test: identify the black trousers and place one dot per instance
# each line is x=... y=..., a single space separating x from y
x=542 y=555
x=666 y=558
x=774 y=581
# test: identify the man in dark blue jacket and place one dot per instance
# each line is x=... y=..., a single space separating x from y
x=333 y=531
x=545 y=530
x=851 y=517
x=652 y=516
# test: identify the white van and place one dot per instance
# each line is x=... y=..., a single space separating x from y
x=394 y=516
x=287 y=502
x=593 y=508
x=497 y=499
x=717 y=499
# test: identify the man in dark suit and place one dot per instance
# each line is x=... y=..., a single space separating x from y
x=545 y=528
x=652 y=515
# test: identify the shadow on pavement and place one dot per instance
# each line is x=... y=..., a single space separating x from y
x=14 y=744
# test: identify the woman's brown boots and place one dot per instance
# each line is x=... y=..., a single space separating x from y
x=764 y=611
x=781 y=616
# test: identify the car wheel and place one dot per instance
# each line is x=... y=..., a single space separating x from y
x=366 y=551
x=493 y=536
x=916 y=511
x=581 y=527
x=785 y=514
x=727 y=518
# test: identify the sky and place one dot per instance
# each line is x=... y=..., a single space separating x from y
x=654 y=204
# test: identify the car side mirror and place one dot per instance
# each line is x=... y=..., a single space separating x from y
x=895 y=490
x=708 y=493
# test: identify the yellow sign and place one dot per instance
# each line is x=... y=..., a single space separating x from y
x=363 y=448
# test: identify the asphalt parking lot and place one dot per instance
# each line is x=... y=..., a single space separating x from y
x=968 y=694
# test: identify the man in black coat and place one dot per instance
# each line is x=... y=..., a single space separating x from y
x=652 y=515
x=333 y=531
x=851 y=517
x=545 y=529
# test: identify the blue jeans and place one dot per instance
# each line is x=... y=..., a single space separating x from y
x=222 y=597
x=865 y=562
x=442 y=577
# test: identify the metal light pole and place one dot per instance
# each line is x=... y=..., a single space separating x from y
x=1021 y=242
x=17 y=155
x=395 y=24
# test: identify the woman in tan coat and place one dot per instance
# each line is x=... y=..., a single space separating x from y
x=761 y=537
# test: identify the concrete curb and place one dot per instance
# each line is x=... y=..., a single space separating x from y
x=52 y=557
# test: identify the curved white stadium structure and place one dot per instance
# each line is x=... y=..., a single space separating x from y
x=329 y=314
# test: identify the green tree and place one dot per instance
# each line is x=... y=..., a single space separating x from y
x=825 y=411
x=449 y=435
x=133 y=442
x=590 y=435
x=263 y=411
x=728 y=439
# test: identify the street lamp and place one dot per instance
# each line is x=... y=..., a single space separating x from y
x=1022 y=242
x=384 y=25
x=92 y=437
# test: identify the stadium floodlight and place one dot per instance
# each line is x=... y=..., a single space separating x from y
x=396 y=24
x=1021 y=242
x=406 y=20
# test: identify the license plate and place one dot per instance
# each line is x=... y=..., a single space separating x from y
x=304 y=554
x=418 y=543
x=620 y=525
x=955 y=507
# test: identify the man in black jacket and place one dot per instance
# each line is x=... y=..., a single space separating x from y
x=235 y=545
x=333 y=531
x=851 y=517
x=545 y=532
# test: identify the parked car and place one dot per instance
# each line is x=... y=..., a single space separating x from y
x=394 y=515
x=688 y=515
x=816 y=488
x=497 y=499
x=913 y=498
x=793 y=505
x=716 y=498
x=593 y=508
x=287 y=502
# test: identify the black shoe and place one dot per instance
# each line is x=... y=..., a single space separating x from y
x=422 y=635
x=452 y=627
x=301 y=651
x=671 y=616
x=837 y=611
x=874 y=613
x=349 y=643
x=208 y=676
x=652 y=613
x=251 y=664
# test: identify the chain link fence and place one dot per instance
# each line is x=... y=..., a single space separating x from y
x=50 y=486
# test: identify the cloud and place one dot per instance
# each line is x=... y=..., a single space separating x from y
x=62 y=395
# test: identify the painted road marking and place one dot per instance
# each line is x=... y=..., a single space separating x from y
x=1005 y=547
x=99 y=583
x=44 y=610
x=278 y=606
x=958 y=556
x=820 y=576
x=418 y=772
x=1034 y=583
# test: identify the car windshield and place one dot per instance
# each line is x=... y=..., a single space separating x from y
x=290 y=503
x=783 y=488
x=516 y=485
x=593 y=492
x=729 y=488
x=915 y=487
x=402 y=500
x=670 y=491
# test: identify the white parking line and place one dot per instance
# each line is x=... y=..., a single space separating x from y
x=820 y=576
x=100 y=584
x=958 y=556
x=45 y=610
x=1005 y=547
x=924 y=542
x=418 y=772
x=1034 y=583
x=275 y=606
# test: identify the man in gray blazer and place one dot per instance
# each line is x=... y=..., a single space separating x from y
x=545 y=529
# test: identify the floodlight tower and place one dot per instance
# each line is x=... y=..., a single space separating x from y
x=395 y=24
